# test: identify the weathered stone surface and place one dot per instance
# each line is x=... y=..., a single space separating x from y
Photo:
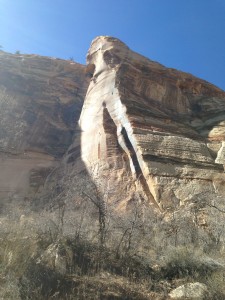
x=144 y=129
x=40 y=103
x=150 y=128
x=146 y=134
x=192 y=291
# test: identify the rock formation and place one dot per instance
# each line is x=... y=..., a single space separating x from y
x=145 y=130
x=193 y=291
x=111 y=178
x=40 y=104
x=152 y=129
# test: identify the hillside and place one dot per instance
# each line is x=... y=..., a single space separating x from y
x=111 y=178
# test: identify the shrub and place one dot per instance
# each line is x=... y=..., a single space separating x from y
x=183 y=262
x=216 y=285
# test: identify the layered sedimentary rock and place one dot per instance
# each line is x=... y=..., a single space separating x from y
x=146 y=132
x=40 y=104
x=151 y=129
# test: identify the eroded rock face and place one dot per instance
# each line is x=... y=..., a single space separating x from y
x=40 y=103
x=145 y=131
x=192 y=291
x=151 y=129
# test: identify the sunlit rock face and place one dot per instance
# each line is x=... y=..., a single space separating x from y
x=150 y=129
x=40 y=103
x=145 y=132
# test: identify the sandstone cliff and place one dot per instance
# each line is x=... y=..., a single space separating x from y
x=111 y=178
x=145 y=130
x=40 y=104
x=152 y=129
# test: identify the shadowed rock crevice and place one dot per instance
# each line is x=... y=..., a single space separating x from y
x=113 y=148
x=138 y=172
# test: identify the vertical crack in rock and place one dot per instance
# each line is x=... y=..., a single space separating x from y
x=112 y=146
x=136 y=167
x=127 y=147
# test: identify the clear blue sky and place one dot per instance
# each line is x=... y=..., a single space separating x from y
x=188 y=35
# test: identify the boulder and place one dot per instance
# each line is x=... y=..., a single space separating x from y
x=192 y=291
